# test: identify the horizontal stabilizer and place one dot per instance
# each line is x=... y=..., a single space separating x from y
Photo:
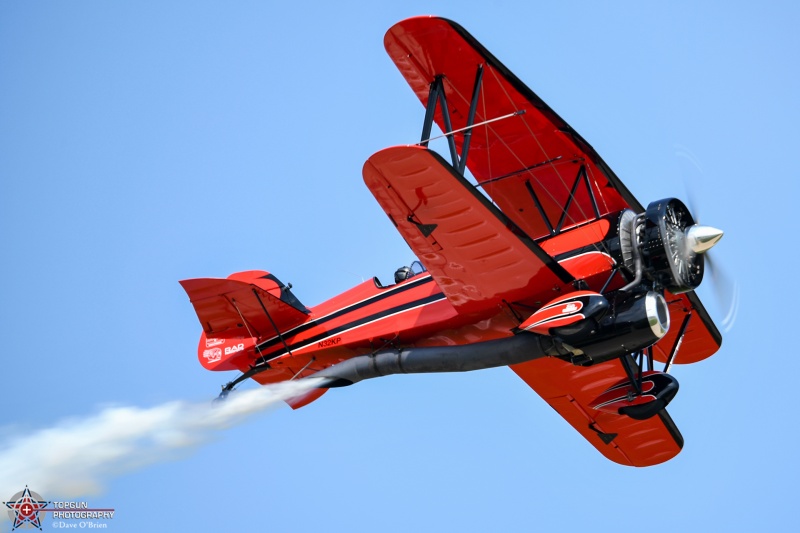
x=246 y=304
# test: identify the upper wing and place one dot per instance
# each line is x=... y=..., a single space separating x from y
x=535 y=154
x=247 y=304
x=570 y=389
x=477 y=256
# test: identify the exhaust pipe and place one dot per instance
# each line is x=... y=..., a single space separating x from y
x=461 y=358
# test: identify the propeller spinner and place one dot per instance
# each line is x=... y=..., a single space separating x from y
x=700 y=239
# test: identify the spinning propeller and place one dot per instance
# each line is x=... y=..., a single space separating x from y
x=726 y=291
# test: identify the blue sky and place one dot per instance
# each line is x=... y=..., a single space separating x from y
x=143 y=143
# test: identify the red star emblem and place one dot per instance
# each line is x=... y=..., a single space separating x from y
x=26 y=506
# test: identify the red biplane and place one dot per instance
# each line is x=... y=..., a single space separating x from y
x=563 y=275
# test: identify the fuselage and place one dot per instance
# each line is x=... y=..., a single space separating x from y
x=415 y=312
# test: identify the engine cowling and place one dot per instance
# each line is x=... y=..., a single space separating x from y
x=670 y=262
x=664 y=245
x=579 y=307
x=631 y=323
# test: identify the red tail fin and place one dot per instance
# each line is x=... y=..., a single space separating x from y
x=237 y=312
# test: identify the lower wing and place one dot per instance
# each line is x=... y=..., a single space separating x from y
x=571 y=389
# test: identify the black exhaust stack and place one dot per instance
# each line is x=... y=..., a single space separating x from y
x=462 y=358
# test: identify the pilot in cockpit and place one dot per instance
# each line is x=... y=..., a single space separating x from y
x=402 y=274
x=407 y=272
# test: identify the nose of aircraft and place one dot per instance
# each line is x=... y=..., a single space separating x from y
x=700 y=239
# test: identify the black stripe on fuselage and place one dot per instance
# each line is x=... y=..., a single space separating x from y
x=360 y=322
x=391 y=291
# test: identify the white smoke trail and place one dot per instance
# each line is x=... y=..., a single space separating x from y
x=75 y=457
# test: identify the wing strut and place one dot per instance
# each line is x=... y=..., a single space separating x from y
x=476 y=89
x=539 y=207
x=678 y=342
x=581 y=177
x=437 y=96
x=629 y=365
x=581 y=174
